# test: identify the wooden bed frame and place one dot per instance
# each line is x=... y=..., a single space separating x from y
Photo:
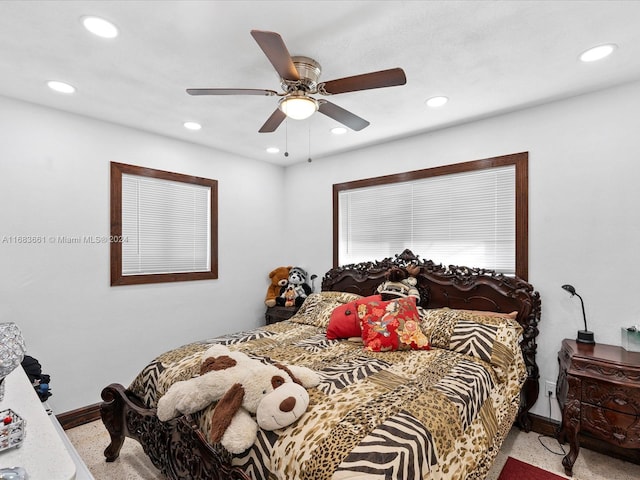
x=178 y=448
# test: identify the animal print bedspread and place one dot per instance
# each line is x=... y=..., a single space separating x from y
x=405 y=415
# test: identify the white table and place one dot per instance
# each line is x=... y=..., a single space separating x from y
x=43 y=453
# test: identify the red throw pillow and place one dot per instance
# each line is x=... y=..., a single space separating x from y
x=344 y=321
x=392 y=325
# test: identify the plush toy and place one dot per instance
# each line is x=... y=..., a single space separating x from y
x=289 y=296
x=279 y=279
x=242 y=386
x=400 y=283
x=296 y=290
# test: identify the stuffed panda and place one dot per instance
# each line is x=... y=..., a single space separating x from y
x=296 y=291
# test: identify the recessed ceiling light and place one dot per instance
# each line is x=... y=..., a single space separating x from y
x=61 y=87
x=100 y=27
x=192 y=126
x=338 y=130
x=437 y=101
x=597 y=53
x=273 y=150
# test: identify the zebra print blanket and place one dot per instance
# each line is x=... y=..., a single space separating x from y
x=437 y=414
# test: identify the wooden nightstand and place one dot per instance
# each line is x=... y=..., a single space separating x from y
x=599 y=394
x=277 y=314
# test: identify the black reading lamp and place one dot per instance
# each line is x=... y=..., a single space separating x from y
x=584 y=336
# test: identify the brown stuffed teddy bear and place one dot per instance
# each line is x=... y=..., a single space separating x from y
x=279 y=278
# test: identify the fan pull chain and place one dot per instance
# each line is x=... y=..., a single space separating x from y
x=309 y=156
x=286 y=137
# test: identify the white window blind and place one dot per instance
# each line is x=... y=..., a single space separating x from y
x=464 y=218
x=165 y=226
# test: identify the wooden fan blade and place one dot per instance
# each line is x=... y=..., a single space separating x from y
x=276 y=51
x=273 y=122
x=366 y=81
x=343 y=116
x=230 y=91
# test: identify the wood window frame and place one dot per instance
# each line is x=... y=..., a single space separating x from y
x=117 y=169
x=519 y=160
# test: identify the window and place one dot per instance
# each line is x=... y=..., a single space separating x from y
x=473 y=214
x=163 y=226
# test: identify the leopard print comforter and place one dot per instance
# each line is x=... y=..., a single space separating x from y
x=404 y=415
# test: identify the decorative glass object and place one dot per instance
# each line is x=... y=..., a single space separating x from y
x=11 y=351
x=631 y=339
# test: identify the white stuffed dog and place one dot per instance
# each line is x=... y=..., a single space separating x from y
x=241 y=386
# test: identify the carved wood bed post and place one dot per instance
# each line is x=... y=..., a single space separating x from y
x=177 y=447
x=531 y=387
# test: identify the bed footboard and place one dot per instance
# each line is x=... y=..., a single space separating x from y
x=177 y=447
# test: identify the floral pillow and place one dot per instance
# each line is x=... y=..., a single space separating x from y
x=392 y=325
x=344 y=321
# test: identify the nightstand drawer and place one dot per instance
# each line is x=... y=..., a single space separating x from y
x=623 y=399
x=620 y=428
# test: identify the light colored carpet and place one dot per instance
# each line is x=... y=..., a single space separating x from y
x=590 y=465
x=91 y=439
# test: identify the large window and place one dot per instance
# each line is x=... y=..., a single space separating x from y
x=163 y=226
x=472 y=214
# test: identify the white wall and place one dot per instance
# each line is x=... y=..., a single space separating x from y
x=54 y=181
x=584 y=192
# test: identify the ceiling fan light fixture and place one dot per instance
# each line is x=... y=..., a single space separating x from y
x=299 y=79
x=298 y=106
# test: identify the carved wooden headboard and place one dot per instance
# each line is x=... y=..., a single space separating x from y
x=458 y=287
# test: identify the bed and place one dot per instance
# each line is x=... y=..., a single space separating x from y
x=440 y=413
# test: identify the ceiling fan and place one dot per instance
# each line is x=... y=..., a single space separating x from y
x=299 y=79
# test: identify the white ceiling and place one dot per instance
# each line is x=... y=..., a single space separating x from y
x=488 y=57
